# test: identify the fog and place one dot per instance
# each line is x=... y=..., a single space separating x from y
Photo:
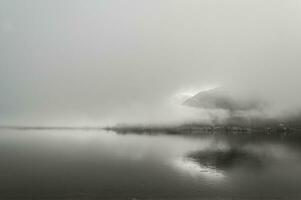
x=71 y=62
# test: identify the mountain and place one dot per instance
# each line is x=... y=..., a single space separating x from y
x=219 y=98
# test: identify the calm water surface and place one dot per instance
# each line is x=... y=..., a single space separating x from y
x=78 y=164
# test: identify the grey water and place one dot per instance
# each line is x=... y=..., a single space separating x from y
x=94 y=164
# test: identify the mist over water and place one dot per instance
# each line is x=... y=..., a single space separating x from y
x=203 y=97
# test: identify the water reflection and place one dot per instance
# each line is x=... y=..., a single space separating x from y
x=228 y=159
x=198 y=169
x=62 y=164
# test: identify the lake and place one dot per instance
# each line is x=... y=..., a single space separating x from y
x=96 y=164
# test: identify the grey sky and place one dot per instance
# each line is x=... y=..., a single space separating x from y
x=96 y=62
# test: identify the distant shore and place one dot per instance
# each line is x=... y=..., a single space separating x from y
x=207 y=129
x=185 y=129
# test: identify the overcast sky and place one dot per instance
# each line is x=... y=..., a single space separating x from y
x=112 y=61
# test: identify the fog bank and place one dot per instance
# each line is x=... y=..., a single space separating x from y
x=94 y=62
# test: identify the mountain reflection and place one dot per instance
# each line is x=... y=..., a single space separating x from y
x=227 y=159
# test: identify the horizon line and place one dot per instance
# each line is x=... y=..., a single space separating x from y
x=25 y=127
